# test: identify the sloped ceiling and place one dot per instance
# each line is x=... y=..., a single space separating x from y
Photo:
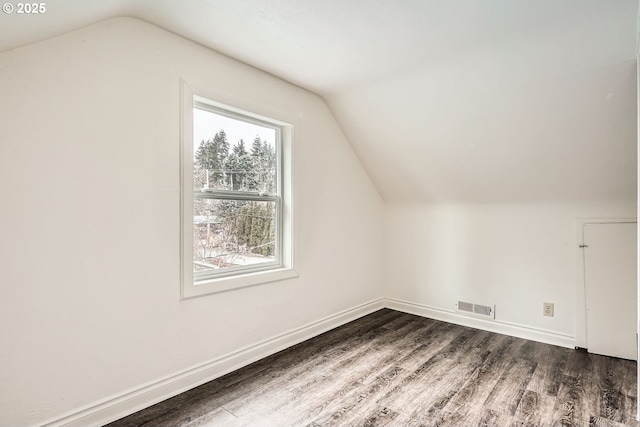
x=443 y=100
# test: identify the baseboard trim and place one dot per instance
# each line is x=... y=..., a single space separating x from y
x=497 y=326
x=133 y=400
x=128 y=402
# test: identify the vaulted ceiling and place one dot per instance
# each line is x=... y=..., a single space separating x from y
x=443 y=100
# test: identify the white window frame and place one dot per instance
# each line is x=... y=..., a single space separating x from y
x=194 y=285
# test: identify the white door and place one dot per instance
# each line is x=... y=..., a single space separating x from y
x=610 y=261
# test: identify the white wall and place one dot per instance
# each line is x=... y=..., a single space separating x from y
x=89 y=227
x=89 y=224
x=515 y=256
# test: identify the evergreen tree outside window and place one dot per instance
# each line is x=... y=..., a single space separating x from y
x=240 y=222
x=236 y=196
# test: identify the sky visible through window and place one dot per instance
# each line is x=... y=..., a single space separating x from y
x=206 y=124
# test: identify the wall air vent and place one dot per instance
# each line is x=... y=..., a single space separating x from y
x=484 y=311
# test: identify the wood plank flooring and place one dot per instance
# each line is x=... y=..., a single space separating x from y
x=396 y=369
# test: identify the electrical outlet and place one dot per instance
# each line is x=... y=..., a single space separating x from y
x=547 y=309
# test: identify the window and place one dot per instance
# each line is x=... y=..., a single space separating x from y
x=236 y=198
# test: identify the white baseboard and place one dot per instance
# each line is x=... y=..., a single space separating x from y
x=126 y=403
x=497 y=326
x=131 y=401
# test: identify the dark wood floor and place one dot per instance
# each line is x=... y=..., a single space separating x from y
x=396 y=369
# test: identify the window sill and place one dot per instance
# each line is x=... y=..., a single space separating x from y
x=224 y=284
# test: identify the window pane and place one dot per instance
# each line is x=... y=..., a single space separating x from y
x=232 y=233
x=232 y=154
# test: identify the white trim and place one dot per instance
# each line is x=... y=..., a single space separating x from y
x=193 y=285
x=133 y=400
x=186 y=175
x=497 y=326
x=237 y=281
x=581 y=301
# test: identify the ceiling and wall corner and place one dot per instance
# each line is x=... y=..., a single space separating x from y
x=441 y=100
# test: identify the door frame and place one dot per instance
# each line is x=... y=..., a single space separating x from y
x=581 y=300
